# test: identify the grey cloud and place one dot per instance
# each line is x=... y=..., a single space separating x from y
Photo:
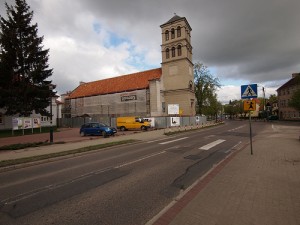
x=251 y=40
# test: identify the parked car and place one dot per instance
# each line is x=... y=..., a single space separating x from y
x=95 y=128
x=132 y=123
x=273 y=117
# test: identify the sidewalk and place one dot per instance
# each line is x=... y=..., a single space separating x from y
x=245 y=189
x=73 y=143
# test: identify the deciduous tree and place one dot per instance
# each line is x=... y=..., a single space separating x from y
x=205 y=87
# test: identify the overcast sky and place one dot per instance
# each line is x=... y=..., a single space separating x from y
x=241 y=41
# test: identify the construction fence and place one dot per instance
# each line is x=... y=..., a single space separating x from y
x=156 y=122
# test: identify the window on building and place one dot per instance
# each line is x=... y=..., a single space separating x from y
x=192 y=103
x=179 y=50
x=167 y=53
x=1 y=118
x=44 y=119
x=173 y=52
x=173 y=33
x=178 y=31
x=163 y=106
x=167 y=35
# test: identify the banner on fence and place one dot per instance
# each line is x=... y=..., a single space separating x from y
x=175 y=121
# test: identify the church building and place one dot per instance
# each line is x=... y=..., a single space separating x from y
x=147 y=93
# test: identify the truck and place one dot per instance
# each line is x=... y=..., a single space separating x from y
x=132 y=123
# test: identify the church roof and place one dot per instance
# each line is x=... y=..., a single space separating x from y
x=129 y=82
x=176 y=18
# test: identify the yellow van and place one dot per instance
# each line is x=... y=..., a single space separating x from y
x=130 y=123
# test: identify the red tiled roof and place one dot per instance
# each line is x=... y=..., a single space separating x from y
x=257 y=100
x=123 y=83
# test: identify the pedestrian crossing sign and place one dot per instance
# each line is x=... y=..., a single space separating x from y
x=249 y=91
x=249 y=105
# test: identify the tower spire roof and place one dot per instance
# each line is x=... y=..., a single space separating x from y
x=174 y=19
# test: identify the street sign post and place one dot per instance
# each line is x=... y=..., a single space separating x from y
x=249 y=105
x=248 y=92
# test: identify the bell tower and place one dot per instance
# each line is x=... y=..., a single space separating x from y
x=177 y=66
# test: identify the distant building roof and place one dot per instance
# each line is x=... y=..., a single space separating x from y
x=130 y=82
x=293 y=81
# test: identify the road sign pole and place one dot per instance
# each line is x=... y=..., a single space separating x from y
x=250 y=132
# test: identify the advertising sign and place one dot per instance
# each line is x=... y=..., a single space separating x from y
x=173 y=109
x=36 y=122
x=127 y=98
x=16 y=123
x=27 y=123
x=19 y=123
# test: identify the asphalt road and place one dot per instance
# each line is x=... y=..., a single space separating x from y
x=122 y=185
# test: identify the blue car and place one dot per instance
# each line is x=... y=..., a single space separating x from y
x=97 y=129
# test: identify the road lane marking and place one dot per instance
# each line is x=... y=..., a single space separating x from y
x=209 y=136
x=236 y=128
x=138 y=160
x=35 y=192
x=212 y=144
x=233 y=148
x=167 y=142
x=158 y=140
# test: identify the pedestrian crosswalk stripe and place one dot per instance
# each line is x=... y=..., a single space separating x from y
x=212 y=144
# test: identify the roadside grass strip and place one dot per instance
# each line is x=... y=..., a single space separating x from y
x=27 y=145
x=12 y=162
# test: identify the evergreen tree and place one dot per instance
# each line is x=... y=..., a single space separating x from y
x=23 y=64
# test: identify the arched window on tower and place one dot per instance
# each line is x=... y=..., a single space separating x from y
x=179 y=50
x=167 y=35
x=173 y=33
x=178 y=31
x=167 y=53
x=173 y=51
